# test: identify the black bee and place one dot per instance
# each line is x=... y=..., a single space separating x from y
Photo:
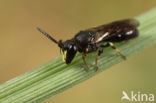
x=95 y=39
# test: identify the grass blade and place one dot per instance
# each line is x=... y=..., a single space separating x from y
x=55 y=76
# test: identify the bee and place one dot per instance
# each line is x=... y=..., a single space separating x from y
x=96 y=39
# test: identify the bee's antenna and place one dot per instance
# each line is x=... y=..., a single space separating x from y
x=48 y=36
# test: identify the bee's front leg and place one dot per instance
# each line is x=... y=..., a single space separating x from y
x=84 y=60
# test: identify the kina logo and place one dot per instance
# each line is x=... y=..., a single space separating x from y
x=137 y=96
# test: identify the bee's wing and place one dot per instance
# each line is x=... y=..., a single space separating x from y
x=112 y=29
x=116 y=24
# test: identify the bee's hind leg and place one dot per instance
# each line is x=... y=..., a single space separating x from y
x=117 y=50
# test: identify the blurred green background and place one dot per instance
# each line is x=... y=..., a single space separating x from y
x=23 y=48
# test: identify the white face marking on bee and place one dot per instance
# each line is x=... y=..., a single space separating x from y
x=129 y=32
x=104 y=35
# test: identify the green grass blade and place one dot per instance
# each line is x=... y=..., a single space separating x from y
x=55 y=76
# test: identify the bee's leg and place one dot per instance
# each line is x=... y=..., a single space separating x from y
x=117 y=50
x=84 y=60
x=100 y=51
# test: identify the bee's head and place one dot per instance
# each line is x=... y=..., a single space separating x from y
x=68 y=50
